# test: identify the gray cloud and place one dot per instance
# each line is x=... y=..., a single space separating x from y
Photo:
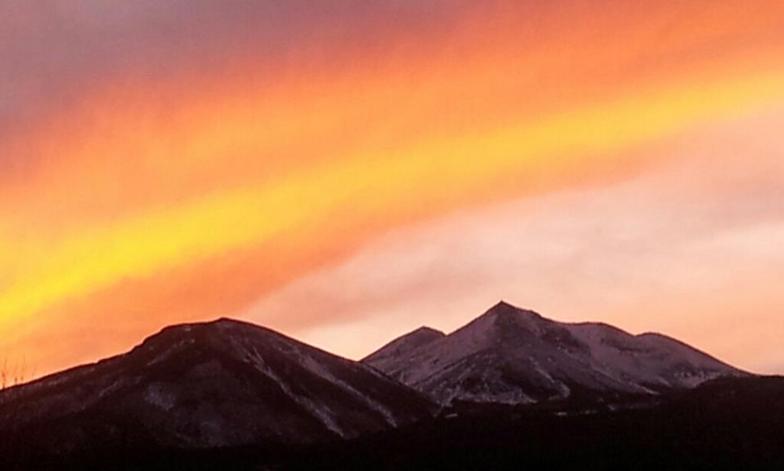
x=54 y=52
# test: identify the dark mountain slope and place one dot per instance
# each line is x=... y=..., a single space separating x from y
x=218 y=384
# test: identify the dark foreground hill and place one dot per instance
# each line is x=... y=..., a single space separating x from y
x=725 y=424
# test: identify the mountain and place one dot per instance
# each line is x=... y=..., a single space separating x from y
x=232 y=395
x=515 y=356
x=391 y=352
x=208 y=385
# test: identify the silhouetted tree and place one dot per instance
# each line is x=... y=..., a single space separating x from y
x=12 y=375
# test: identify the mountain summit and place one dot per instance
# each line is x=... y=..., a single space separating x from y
x=516 y=356
x=215 y=384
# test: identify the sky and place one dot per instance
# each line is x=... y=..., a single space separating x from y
x=346 y=171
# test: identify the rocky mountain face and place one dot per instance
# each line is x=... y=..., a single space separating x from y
x=515 y=356
x=219 y=384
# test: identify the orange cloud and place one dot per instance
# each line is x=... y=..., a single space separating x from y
x=147 y=186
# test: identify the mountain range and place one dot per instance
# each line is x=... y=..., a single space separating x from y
x=516 y=356
x=230 y=389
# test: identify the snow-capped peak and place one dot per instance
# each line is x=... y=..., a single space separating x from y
x=405 y=344
x=515 y=355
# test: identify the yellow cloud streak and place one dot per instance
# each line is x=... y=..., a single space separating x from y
x=432 y=174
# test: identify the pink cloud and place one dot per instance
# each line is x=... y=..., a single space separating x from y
x=682 y=248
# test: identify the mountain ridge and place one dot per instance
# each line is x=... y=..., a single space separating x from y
x=514 y=355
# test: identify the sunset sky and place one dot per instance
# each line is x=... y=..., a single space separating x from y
x=346 y=171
